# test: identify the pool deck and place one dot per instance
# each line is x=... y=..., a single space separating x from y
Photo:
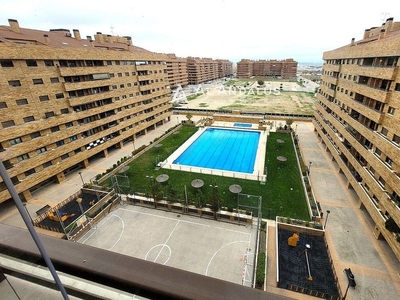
x=258 y=172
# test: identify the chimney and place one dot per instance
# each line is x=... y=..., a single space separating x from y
x=46 y=39
x=109 y=38
x=366 y=33
x=389 y=25
x=352 y=42
x=14 y=25
x=77 y=35
x=99 y=38
x=129 y=40
x=381 y=34
x=91 y=43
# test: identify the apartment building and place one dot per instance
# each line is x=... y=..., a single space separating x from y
x=205 y=69
x=177 y=71
x=357 y=118
x=67 y=100
x=286 y=68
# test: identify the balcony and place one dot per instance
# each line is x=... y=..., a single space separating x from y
x=376 y=72
x=374 y=93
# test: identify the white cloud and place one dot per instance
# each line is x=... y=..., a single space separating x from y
x=234 y=29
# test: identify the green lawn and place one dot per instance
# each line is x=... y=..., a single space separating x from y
x=277 y=196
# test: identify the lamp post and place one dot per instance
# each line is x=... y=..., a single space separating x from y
x=80 y=174
x=327 y=215
x=24 y=204
x=133 y=143
x=215 y=199
x=309 y=167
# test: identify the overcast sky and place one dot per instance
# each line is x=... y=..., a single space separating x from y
x=253 y=29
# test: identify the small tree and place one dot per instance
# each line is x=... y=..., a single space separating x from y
x=260 y=82
x=189 y=116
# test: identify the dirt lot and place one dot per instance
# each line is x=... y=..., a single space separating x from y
x=292 y=98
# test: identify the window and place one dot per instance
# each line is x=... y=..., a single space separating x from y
x=31 y=63
x=6 y=63
x=35 y=135
x=41 y=150
x=397 y=87
x=44 y=98
x=133 y=73
x=14 y=83
x=29 y=119
x=119 y=74
x=59 y=143
x=55 y=128
x=29 y=172
x=49 y=114
x=378 y=151
x=16 y=141
x=64 y=111
x=3 y=105
x=384 y=131
x=23 y=157
x=126 y=73
x=109 y=63
x=69 y=124
x=64 y=156
x=396 y=139
x=112 y=75
x=46 y=164
x=114 y=87
x=382 y=181
x=6 y=124
x=21 y=102
x=121 y=86
x=116 y=98
x=391 y=110
x=388 y=160
x=48 y=63
x=117 y=62
x=59 y=96
x=73 y=138
x=54 y=80
x=38 y=81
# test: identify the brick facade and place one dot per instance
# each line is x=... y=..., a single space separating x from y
x=358 y=119
x=177 y=71
x=286 y=69
x=66 y=100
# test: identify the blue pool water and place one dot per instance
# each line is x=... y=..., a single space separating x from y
x=222 y=149
x=245 y=125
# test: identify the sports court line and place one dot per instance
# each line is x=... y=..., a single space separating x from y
x=235 y=242
x=102 y=225
x=162 y=217
x=165 y=244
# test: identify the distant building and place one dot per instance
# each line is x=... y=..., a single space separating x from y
x=285 y=69
x=67 y=100
x=205 y=69
x=357 y=118
x=177 y=71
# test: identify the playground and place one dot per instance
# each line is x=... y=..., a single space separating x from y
x=213 y=248
x=304 y=266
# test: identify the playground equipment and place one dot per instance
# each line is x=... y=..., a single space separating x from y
x=64 y=216
x=293 y=240
x=305 y=251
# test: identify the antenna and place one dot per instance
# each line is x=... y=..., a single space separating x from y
x=384 y=15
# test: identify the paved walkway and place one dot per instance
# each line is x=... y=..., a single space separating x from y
x=349 y=229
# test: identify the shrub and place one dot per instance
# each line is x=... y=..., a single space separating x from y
x=288 y=220
x=260 y=272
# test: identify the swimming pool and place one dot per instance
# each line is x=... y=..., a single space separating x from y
x=222 y=149
x=245 y=125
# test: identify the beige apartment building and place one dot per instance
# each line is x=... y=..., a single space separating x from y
x=177 y=71
x=67 y=100
x=357 y=118
x=286 y=68
x=205 y=69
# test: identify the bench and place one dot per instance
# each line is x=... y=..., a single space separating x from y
x=43 y=209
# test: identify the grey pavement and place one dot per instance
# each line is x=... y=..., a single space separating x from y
x=349 y=229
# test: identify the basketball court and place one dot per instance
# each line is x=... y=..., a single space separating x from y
x=213 y=248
